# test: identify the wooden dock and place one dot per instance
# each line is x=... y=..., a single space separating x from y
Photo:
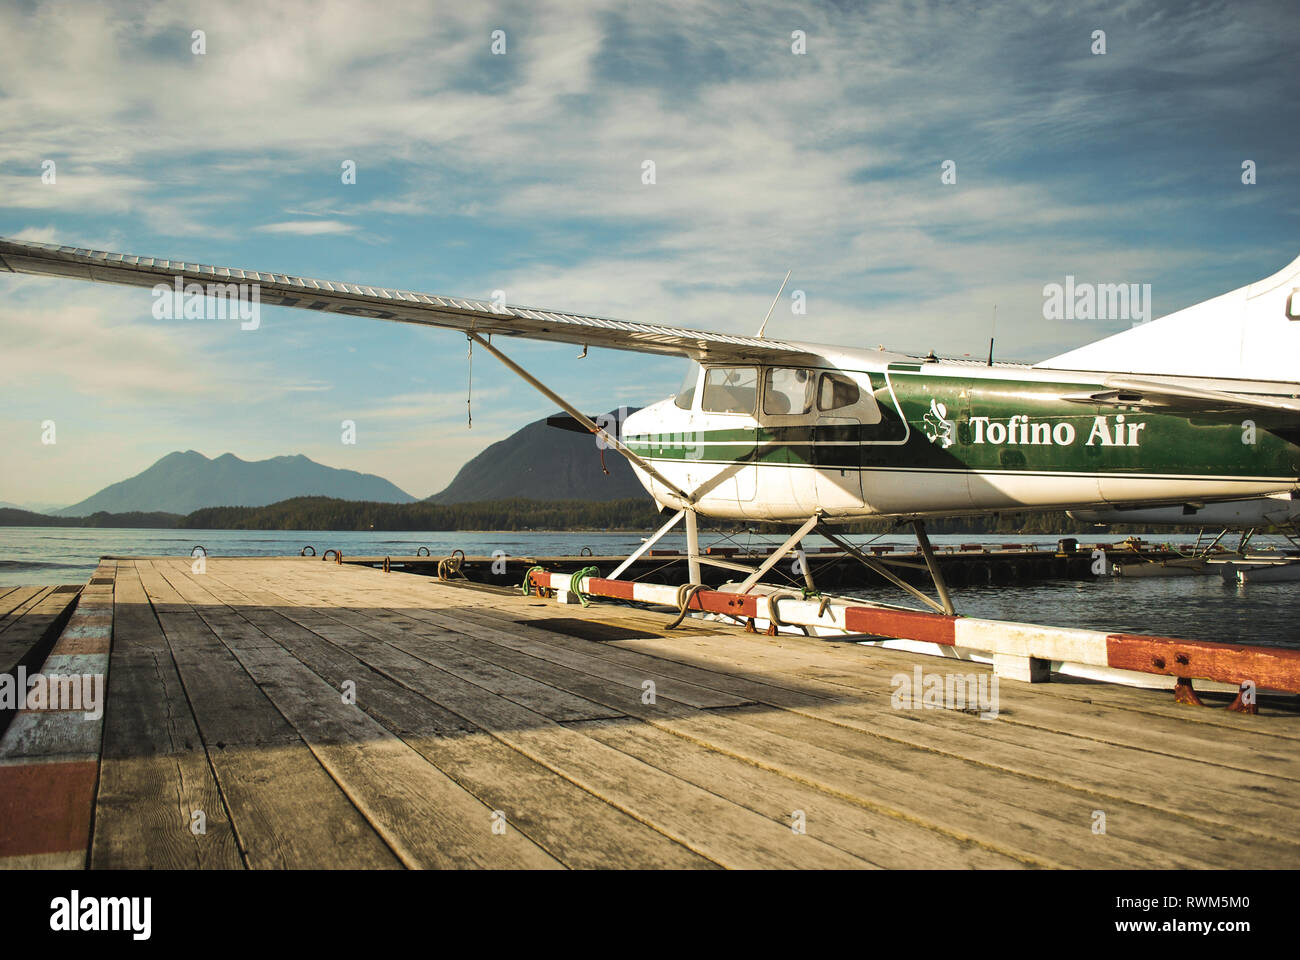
x=967 y=564
x=292 y=713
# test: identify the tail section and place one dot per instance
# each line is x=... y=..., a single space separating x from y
x=1249 y=334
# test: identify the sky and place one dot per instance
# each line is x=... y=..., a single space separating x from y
x=523 y=171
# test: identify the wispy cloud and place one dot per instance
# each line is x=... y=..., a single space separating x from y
x=524 y=172
x=307 y=228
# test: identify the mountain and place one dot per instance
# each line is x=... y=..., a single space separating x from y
x=152 y=521
x=30 y=507
x=185 y=482
x=542 y=462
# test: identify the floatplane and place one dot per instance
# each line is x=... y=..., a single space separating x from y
x=1197 y=407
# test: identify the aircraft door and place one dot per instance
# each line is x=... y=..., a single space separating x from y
x=843 y=403
x=726 y=432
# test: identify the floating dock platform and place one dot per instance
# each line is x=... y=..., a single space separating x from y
x=965 y=564
x=271 y=713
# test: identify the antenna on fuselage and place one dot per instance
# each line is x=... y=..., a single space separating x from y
x=763 y=326
x=994 y=335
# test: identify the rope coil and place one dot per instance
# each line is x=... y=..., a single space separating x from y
x=774 y=613
x=575 y=583
x=527 y=587
x=684 y=594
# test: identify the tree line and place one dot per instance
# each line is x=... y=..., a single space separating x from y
x=634 y=514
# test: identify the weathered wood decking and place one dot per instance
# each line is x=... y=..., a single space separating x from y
x=488 y=732
x=30 y=618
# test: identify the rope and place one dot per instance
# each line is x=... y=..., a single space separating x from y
x=775 y=614
x=527 y=587
x=684 y=594
x=575 y=583
x=469 y=390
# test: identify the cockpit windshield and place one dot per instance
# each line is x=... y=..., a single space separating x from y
x=686 y=395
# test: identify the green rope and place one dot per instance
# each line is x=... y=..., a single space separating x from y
x=528 y=580
x=575 y=583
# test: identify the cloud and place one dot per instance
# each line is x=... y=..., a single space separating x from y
x=524 y=172
x=307 y=228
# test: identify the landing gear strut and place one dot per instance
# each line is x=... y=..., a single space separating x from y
x=943 y=605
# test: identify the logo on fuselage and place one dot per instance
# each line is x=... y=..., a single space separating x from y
x=938 y=429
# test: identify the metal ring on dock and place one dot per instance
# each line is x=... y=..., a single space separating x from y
x=199 y=547
x=303 y=552
x=425 y=554
x=338 y=557
x=450 y=566
x=586 y=552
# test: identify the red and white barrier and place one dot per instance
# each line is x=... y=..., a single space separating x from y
x=1019 y=650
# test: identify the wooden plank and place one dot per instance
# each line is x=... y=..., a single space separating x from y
x=1044 y=824
x=16 y=603
x=284 y=807
x=577 y=828
x=349 y=630
x=459 y=657
x=24 y=633
x=765 y=726
x=723 y=831
x=398 y=629
x=1253 y=750
x=882 y=840
x=426 y=817
x=155 y=774
x=1026 y=767
x=1245 y=801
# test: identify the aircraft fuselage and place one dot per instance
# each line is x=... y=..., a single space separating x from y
x=868 y=435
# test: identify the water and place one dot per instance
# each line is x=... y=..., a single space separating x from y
x=1198 y=607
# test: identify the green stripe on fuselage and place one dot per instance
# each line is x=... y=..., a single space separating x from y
x=985 y=426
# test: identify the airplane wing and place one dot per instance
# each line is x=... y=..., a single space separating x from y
x=1271 y=409
x=402 y=306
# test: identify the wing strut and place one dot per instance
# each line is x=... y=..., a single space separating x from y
x=581 y=417
x=944 y=605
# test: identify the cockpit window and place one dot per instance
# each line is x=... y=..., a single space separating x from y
x=787 y=391
x=836 y=391
x=686 y=395
x=730 y=390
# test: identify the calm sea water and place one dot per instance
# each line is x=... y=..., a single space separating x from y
x=1200 y=607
